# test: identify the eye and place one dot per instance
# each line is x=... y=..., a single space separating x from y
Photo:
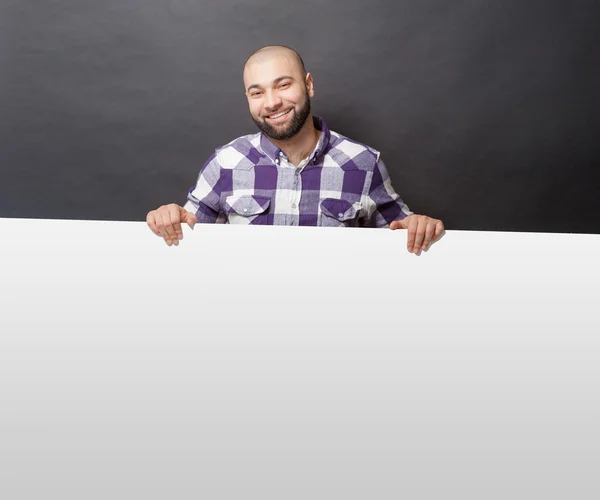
x=284 y=85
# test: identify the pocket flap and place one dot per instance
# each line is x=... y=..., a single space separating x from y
x=338 y=209
x=247 y=205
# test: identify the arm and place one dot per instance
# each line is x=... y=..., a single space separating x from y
x=204 y=199
x=386 y=204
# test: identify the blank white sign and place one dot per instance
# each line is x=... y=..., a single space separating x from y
x=286 y=362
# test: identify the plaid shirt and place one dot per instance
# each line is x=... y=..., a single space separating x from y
x=250 y=181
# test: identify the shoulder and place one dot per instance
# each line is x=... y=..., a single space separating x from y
x=243 y=151
x=346 y=151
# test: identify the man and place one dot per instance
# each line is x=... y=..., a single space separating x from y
x=295 y=171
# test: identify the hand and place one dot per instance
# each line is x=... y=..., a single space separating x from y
x=422 y=231
x=166 y=221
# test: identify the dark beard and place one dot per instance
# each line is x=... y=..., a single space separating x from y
x=298 y=121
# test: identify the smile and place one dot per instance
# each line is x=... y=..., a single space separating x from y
x=279 y=115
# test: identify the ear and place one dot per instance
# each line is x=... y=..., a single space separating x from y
x=309 y=85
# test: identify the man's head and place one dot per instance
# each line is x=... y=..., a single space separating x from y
x=278 y=89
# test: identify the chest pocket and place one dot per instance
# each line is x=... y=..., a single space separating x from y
x=247 y=209
x=337 y=212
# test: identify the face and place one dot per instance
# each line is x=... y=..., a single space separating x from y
x=278 y=96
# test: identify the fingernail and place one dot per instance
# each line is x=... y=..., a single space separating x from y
x=180 y=236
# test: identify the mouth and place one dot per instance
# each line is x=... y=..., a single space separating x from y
x=278 y=117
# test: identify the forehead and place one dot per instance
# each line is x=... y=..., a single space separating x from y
x=264 y=69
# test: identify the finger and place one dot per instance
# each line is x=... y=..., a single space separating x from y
x=420 y=234
x=439 y=230
x=429 y=233
x=175 y=215
x=151 y=221
x=160 y=223
x=169 y=224
x=412 y=231
x=168 y=232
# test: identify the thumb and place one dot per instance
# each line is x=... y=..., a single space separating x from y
x=188 y=217
x=398 y=224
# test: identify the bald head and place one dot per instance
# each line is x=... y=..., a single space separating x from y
x=278 y=90
x=265 y=54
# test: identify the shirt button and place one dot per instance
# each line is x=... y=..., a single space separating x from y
x=294 y=206
x=245 y=209
x=340 y=215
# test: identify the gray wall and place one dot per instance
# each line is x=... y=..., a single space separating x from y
x=486 y=112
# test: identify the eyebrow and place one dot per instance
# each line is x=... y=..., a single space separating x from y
x=274 y=82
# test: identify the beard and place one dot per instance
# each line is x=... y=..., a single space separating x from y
x=297 y=122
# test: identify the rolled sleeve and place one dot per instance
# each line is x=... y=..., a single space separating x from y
x=388 y=206
x=204 y=199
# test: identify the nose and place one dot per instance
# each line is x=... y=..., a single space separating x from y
x=272 y=101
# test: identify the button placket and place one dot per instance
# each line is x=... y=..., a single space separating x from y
x=296 y=189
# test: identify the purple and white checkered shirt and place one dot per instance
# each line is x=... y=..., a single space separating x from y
x=250 y=181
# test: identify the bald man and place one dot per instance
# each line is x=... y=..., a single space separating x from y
x=295 y=171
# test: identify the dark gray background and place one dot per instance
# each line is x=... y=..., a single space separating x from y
x=486 y=112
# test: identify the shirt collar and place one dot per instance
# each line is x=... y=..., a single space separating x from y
x=273 y=151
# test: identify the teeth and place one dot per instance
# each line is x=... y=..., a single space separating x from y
x=279 y=114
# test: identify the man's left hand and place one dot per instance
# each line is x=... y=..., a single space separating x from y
x=422 y=231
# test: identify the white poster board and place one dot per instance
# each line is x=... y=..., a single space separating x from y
x=279 y=362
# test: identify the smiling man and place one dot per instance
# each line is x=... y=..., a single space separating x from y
x=295 y=171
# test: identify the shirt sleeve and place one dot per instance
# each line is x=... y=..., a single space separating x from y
x=204 y=199
x=388 y=206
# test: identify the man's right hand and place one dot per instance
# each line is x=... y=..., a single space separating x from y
x=166 y=222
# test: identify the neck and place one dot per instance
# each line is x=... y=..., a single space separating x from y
x=302 y=144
